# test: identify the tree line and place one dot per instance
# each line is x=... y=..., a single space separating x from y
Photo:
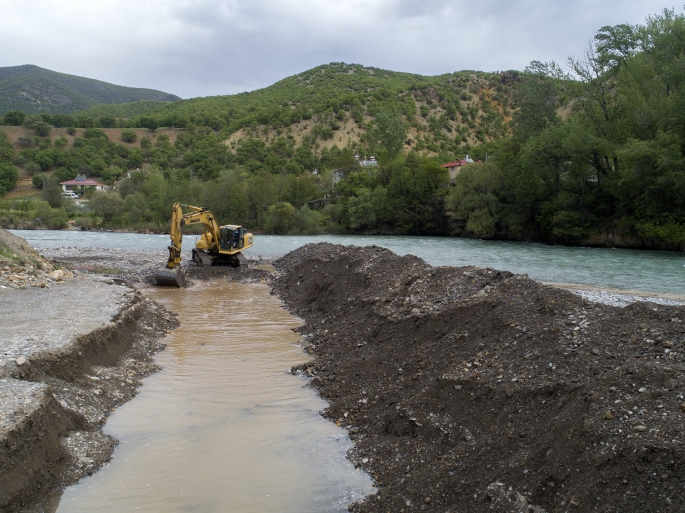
x=608 y=167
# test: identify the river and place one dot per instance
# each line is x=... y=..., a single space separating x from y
x=623 y=269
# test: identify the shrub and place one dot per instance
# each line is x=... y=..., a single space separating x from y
x=37 y=181
x=129 y=135
x=26 y=141
x=42 y=128
x=53 y=218
x=71 y=130
x=32 y=167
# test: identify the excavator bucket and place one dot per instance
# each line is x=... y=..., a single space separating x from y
x=171 y=277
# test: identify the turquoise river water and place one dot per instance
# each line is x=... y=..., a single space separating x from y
x=624 y=269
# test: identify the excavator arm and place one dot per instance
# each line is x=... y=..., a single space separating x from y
x=197 y=215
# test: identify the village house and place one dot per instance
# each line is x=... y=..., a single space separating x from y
x=80 y=184
x=455 y=167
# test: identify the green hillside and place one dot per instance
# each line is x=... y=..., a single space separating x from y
x=595 y=156
x=337 y=102
x=33 y=90
x=129 y=110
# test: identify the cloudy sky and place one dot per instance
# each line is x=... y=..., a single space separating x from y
x=210 y=47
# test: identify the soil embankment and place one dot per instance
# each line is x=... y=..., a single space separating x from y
x=469 y=389
x=71 y=350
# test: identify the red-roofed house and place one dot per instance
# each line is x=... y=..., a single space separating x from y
x=454 y=167
x=81 y=181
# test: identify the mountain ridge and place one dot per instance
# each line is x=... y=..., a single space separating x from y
x=36 y=90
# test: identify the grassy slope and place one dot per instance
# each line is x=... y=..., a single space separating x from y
x=33 y=89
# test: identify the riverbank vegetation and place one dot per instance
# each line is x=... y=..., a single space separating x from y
x=589 y=154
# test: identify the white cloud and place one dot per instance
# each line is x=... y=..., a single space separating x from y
x=204 y=47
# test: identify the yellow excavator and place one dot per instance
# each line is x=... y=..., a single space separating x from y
x=218 y=245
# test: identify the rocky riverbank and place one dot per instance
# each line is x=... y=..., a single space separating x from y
x=72 y=349
x=470 y=389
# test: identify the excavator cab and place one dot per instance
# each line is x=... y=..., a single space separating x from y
x=231 y=238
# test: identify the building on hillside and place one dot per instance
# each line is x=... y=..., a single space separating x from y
x=80 y=184
x=370 y=162
x=455 y=167
x=339 y=174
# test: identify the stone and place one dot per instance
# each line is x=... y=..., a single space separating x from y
x=21 y=360
x=608 y=415
x=57 y=274
x=640 y=429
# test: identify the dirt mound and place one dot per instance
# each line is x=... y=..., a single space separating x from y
x=471 y=389
x=21 y=266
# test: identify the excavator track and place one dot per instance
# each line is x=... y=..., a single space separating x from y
x=201 y=258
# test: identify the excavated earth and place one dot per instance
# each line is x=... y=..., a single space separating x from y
x=72 y=349
x=468 y=389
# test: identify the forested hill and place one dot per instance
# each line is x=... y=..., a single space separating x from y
x=32 y=89
x=336 y=103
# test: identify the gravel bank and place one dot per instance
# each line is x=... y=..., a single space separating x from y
x=71 y=350
x=442 y=377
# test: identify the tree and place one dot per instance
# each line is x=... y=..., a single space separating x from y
x=38 y=181
x=280 y=218
x=108 y=121
x=474 y=200
x=149 y=122
x=128 y=135
x=14 y=118
x=390 y=131
x=6 y=149
x=537 y=98
x=107 y=205
x=361 y=210
x=52 y=193
x=8 y=177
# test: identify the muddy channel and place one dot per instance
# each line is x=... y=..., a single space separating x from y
x=224 y=426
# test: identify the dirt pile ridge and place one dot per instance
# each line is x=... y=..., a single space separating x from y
x=21 y=266
x=470 y=389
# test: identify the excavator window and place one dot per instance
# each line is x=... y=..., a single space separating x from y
x=226 y=239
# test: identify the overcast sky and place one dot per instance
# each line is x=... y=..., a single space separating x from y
x=209 y=47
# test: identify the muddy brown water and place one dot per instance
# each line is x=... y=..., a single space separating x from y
x=223 y=427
